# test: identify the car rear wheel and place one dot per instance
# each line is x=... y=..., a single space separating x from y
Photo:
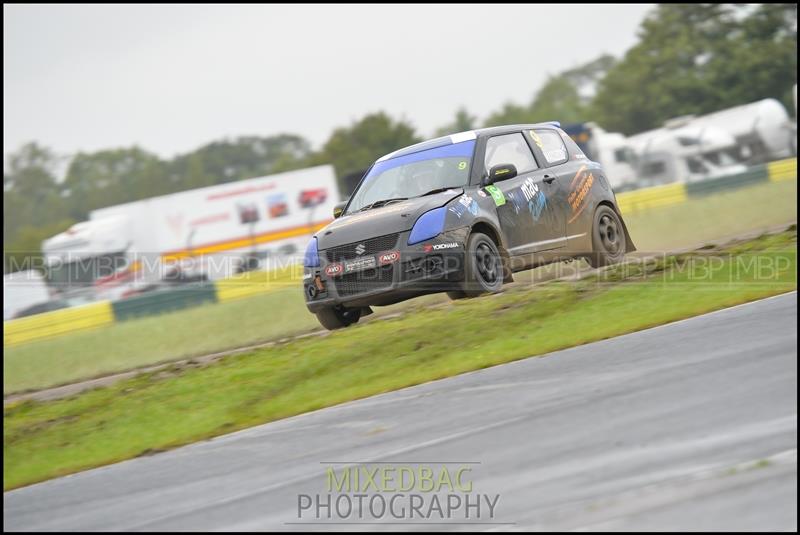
x=338 y=317
x=483 y=269
x=608 y=238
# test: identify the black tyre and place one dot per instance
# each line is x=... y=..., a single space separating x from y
x=337 y=317
x=608 y=238
x=483 y=269
x=456 y=294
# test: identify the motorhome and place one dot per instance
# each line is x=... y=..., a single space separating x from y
x=684 y=152
x=608 y=148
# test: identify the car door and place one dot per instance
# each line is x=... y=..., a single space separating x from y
x=522 y=207
x=559 y=173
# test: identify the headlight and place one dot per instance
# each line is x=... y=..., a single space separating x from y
x=311 y=258
x=429 y=225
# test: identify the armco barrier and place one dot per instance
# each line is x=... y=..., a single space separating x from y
x=254 y=283
x=164 y=301
x=782 y=169
x=715 y=185
x=57 y=322
x=646 y=198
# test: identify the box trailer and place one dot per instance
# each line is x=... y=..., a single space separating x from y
x=202 y=234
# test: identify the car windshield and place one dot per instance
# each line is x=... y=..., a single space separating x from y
x=414 y=175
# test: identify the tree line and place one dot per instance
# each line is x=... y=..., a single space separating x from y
x=689 y=59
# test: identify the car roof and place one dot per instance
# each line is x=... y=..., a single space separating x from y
x=465 y=136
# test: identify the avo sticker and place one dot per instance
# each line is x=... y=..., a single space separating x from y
x=497 y=195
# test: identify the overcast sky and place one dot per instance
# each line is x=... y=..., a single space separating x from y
x=171 y=78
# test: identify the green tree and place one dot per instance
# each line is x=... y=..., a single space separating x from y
x=510 y=113
x=32 y=203
x=564 y=97
x=699 y=58
x=558 y=100
x=354 y=148
x=462 y=122
x=244 y=157
x=114 y=176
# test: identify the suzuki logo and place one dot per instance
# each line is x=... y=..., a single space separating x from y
x=360 y=249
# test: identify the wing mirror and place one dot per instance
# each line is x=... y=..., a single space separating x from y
x=503 y=171
x=338 y=209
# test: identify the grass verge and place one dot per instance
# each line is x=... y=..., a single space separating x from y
x=162 y=410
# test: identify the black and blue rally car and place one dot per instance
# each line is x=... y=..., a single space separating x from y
x=460 y=214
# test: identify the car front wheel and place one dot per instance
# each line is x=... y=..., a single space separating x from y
x=338 y=317
x=483 y=269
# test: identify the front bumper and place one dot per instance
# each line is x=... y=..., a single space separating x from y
x=388 y=276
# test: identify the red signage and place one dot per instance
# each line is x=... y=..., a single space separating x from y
x=388 y=258
x=333 y=270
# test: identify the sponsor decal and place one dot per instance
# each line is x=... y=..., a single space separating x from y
x=515 y=202
x=536 y=139
x=555 y=155
x=360 y=264
x=496 y=194
x=469 y=203
x=535 y=197
x=537 y=205
x=481 y=193
x=457 y=209
x=529 y=189
x=307 y=276
x=579 y=191
x=428 y=247
x=360 y=248
x=332 y=270
x=388 y=258
x=464 y=203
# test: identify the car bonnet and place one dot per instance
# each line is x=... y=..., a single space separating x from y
x=395 y=217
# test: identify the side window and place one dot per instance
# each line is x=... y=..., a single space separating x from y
x=510 y=148
x=552 y=145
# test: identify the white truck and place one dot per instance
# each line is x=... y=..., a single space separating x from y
x=22 y=291
x=201 y=234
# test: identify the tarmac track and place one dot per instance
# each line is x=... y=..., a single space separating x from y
x=691 y=425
